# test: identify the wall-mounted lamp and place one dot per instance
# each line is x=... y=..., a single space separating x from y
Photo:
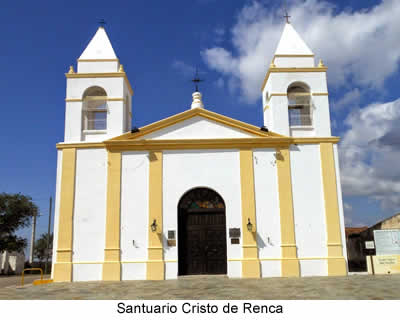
x=278 y=155
x=249 y=226
x=154 y=226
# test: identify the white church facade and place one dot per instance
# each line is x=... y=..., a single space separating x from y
x=198 y=192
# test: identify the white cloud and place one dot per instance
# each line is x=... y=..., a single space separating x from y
x=184 y=68
x=347 y=207
x=219 y=34
x=361 y=48
x=220 y=83
x=350 y=98
x=370 y=153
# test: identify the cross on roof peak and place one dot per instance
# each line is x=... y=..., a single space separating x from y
x=196 y=80
x=102 y=23
x=286 y=16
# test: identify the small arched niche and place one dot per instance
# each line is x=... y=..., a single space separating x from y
x=94 y=109
x=299 y=104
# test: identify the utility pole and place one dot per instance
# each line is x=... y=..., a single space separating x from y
x=32 y=238
x=48 y=237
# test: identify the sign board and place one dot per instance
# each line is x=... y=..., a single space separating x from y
x=369 y=245
x=234 y=233
x=171 y=243
x=387 y=242
x=171 y=234
x=383 y=264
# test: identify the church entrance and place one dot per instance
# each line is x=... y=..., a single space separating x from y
x=202 y=233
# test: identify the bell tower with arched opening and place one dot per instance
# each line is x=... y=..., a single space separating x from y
x=99 y=95
x=294 y=91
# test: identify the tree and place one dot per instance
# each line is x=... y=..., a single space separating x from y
x=16 y=211
x=40 y=251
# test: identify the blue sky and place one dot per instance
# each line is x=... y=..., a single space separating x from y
x=232 y=43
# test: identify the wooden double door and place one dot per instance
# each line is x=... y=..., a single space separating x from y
x=202 y=242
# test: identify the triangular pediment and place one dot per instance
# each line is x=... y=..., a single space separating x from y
x=196 y=124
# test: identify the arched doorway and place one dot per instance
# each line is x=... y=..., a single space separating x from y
x=202 y=233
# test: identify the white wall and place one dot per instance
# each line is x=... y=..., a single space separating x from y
x=89 y=212
x=97 y=66
x=340 y=200
x=56 y=209
x=267 y=211
x=134 y=214
x=277 y=118
x=188 y=169
x=198 y=128
x=294 y=62
x=114 y=87
x=308 y=205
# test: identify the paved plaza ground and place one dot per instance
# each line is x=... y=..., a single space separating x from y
x=217 y=287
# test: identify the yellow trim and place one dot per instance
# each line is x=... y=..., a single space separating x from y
x=196 y=144
x=320 y=94
x=63 y=266
x=193 y=113
x=102 y=75
x=98 y=60
x=112 y=257
x=281 y=259
x=133 y=261
x=100 y=98
x=315 y=140
x=83 y=145
x=293 y=56
x=277 y=94
x=266 y=107
x=290 y=263
x=285 y=70
x=337 y=266
x=155 y=263
x=250 y=264
x=182 y=144
x=96 y=75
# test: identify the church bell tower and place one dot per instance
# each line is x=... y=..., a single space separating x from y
x=294 y=91
x=99 y=95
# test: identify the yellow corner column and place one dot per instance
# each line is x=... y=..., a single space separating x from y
x=336 y=261
x=112 y=260
x=250 y=262
x=290 y=262
x=63 y=264
x=155 y=263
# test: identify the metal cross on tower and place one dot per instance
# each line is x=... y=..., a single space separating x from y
x=286 y=16
x=102 y=22
x=196 y=80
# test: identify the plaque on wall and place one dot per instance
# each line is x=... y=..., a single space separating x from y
x=171 y=243
x=235 y=241
x=234 y=232
x=171 y=234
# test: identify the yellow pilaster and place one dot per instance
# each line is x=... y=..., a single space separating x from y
x=290 y=262
x=112 y=264
x=336 y=261
x=155 y=264
x=250 y=262
x=63 y=264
